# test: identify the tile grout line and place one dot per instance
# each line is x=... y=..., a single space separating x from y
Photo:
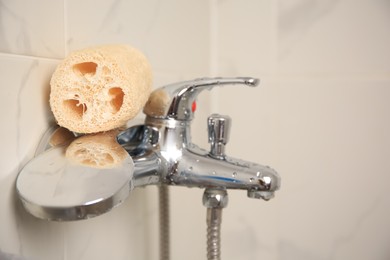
x=334 y=77
x=66 y=51
x=22 y=56
x=66 y=33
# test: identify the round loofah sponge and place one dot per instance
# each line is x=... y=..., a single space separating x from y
x=101 y=88
x=99 y=150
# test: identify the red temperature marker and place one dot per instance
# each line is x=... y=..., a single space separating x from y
x=193 y=108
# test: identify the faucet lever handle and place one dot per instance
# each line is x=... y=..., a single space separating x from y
x=218 y=132
x=175 y=101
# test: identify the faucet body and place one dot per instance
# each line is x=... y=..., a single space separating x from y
x=162 y=150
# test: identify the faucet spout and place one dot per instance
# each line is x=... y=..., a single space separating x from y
x=192 y=166
x=197 y=168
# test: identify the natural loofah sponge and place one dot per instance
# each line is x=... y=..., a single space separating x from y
x=99 y=89
x=157 y=103
x=99 y=150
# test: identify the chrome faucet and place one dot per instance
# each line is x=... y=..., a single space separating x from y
x=162 y=150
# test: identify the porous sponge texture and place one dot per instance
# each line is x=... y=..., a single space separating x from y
x=99 y=150
x=101 y=88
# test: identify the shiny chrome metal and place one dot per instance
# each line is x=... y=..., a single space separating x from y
x=53 y=188
x=265 y=195
x=171 y=158
x=179 y=97
x=214 y=200
x=164 y=214
x=162 y=150
x=214 y=221
x=46 y=141
x=141 y=142
x=218 y=131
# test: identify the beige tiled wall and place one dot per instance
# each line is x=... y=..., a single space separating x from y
x=320 y=116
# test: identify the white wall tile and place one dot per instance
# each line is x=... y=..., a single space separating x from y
x=173 y=34
x=339 y=38
x=246 y=37
x=34 y=28
x=25 y=115
x=326 y=133
x=127 y=231
x=329 y=141
x=333 y=143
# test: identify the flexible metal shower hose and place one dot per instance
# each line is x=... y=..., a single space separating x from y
x=214 y=220
x=164 y=222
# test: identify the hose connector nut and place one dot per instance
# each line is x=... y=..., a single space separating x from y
x=215 y=198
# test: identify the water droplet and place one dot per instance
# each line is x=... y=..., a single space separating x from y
x=190 y=168
x=197 y=160
x=258 y=174
x=214 y=173
x=251 y=179
x=234 y=174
